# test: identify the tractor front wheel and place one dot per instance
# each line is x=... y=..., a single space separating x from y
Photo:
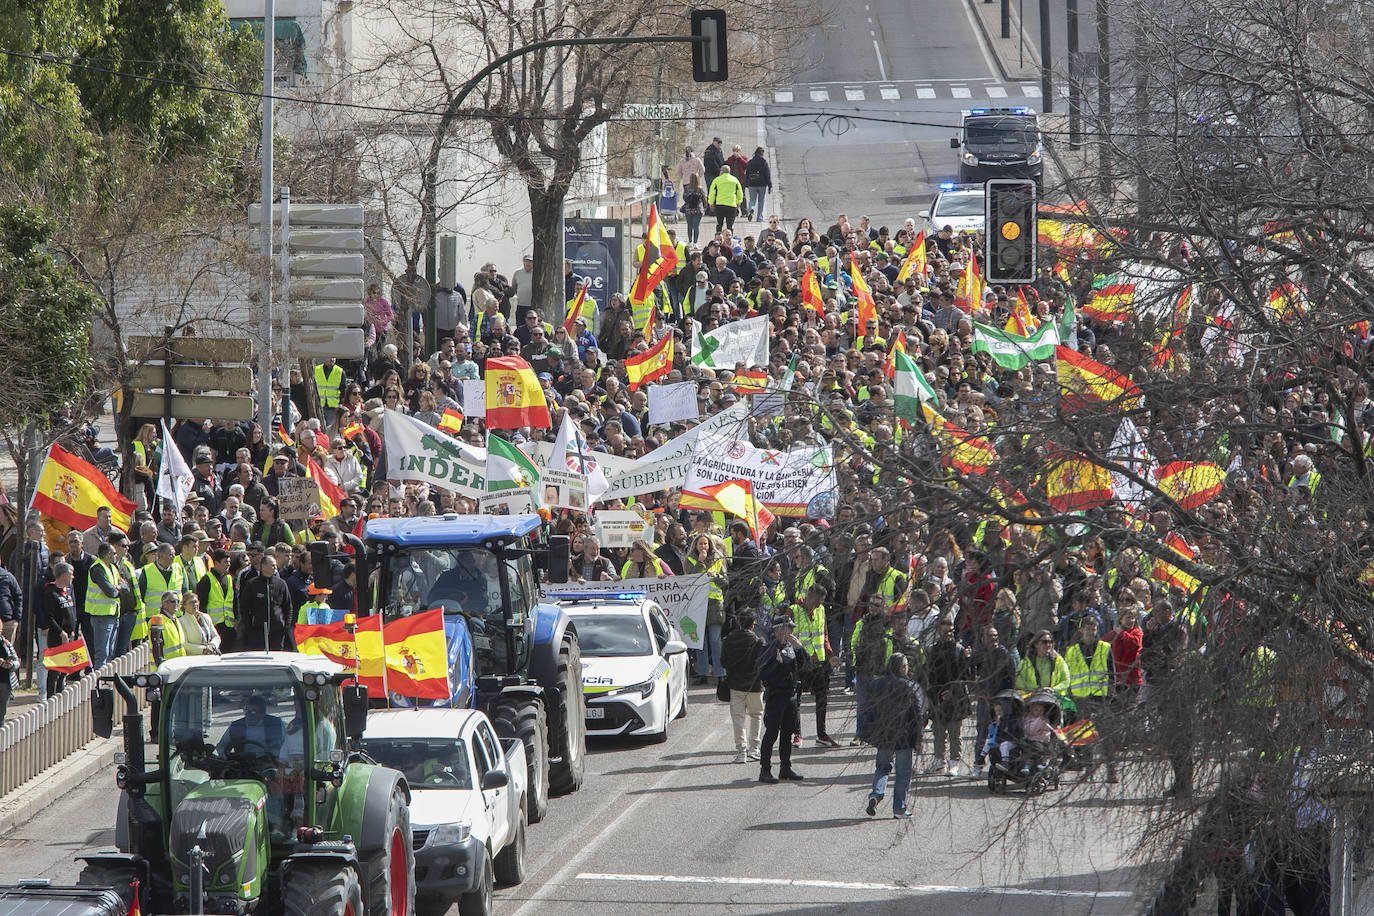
x=323 y=889
x=567 y=775
x=390 y=871
x=523 y=717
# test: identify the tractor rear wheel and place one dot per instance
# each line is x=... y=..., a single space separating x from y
x=523 y=717
x=567 y=775
x=120 y=878
x=322 y=889
x=390 y=871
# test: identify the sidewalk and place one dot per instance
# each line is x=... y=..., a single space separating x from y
x=743 y=123
x=1017 y=57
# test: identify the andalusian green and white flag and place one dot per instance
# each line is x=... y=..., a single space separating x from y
x=1012 y=351
x=909 y=388
x=508 y=468
x=735 y=342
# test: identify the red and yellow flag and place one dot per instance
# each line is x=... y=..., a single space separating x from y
x=331 y=494
x=1112 y=302
x=69 y=658
x=960 y=450
x=915 y=263
x=811 y=292
x=1287 y=302
x=968 y=295
x=1078 y=734
x=353 y=429
x=70 y=491
x=1164 y=350
x=868 y=309
x=1168 y=573
x=416 y=657
x=898 y=346
x=1075 y=484
x=737 y=498
x=651 y=365
x=659 y=261
x=451 y=421
x=752 y=381
x=1190 y=483
x=575 y=308
x=514 y=398
x=281 y=434
x=1084 y=380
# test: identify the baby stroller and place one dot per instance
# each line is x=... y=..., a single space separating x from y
x=1014 y=760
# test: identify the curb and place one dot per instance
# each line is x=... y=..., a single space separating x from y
x=1000 y=48
x=20 y=805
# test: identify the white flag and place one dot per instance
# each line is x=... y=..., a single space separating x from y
x=1128 y=450
x=737 y=342
x=572 y=456
x=174 y=477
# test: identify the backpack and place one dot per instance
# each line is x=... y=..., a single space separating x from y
x=870 y=654
x=753 y=173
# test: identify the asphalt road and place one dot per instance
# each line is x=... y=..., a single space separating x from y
x=678 y=827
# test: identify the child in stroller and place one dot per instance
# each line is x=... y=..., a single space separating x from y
x=1023 y=748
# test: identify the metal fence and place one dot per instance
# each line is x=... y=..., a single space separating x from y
x=59 y=726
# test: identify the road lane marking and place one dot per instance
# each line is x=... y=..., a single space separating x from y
x=783 y=97
x=925 y=92
x=978 y=36
x=1030 y=90
x=890 y=93
x=820 y=95
x=849 y=885
x=961 y=92
x=854 y=95
x=882 y=67
x=997 y=92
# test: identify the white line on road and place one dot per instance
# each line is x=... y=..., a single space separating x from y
x=850 y=885
x=820 y=95
x=854 y=95
x=960 y=92
x=925 y=92
x=978 y=36
x=783 y=96
x=1030 y=90
x=997 y=92
x=882 y=67
x=890 y=93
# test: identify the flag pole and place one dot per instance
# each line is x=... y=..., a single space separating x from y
x=381 y=631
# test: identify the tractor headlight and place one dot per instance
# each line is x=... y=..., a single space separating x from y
x=450 y=834
x=969 y=159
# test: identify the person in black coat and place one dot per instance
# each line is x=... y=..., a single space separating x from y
x=782 y=665
x=744 y=569
x=993 y=667
x=264 y=609
x=739 y=654
x=57 y=615
x=713 y=160
x=947 y=686
x=893 y=710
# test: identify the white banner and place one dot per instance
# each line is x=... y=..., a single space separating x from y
x=797 y=482
x=736 y=342
x=474 y=397
x=620 y=528
x=673 y=402
x=683 y=598
x=419 y=452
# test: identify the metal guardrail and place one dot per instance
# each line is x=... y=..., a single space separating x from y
x=58 y=727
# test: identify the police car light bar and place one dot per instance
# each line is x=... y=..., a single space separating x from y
x=1020 y=111
x=977 y=111
x=946 y=186
x=599 y=596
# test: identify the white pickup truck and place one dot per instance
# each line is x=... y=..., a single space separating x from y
x=467 y=806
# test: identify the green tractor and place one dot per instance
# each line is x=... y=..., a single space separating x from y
x=260 y=803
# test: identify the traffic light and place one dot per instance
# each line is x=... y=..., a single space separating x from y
x=709 y=61
x=1009 y=236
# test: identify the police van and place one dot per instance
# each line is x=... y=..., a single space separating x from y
x=999 y=143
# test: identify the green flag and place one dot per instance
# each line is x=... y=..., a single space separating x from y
x=910 y=388
x=1012 y=351
x=1066 y=323
x=508 y=468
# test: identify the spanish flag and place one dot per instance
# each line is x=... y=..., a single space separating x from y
x=416 y=656
x=281 y=434
x=1190 y=483
x=1287 y=302
x=451 y=421
x=651 y=365
x=898 y=346
x=1164 y=350
x=70 y=491
x=1084 y=380
x=577 y=309
x=514 y=398
x=659 y=261
x=962 y=451
x=915 y=263
x=1075 y=484
x=868 y=309
x=331 y=494
x=752 y=381
x=811 y=292
x=1078 y=734
x=68 y=658
x=1111 y=302
x=353 y=429
x=737 y=498
x=968 y=295
x=1168 y=573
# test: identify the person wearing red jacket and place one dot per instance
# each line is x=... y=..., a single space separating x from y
x=1126 y=642
x=977 y=591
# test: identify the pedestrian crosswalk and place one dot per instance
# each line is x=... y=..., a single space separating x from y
x=970 y=91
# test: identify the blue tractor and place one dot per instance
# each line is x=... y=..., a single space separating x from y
x=509 y=654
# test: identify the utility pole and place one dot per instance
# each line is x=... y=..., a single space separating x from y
x=285 y=296
x=1104 y=100
x=1046 y=83
x=1075 y=74
x=269 y=34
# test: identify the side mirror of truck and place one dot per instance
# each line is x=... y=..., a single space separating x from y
x=354 y=710
x=559 y=559
x=495 y=779
x=102 y=712
x=953 y=142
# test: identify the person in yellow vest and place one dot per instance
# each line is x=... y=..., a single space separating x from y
x=1304 y=476
x=102 y=604
x=316 y=609
x=164 y=574
x=329 y=378
x=642 y=563
x=130 y=601
x=704 y=557
x=216 y=593
x=885 y=583
x=1089 y=664
x=191 y=562
x=725 y=196
x=811 y=631
x=870 y=646
x=164 y=629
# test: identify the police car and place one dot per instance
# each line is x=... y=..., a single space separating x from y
x=634 y=664
x=959 y=206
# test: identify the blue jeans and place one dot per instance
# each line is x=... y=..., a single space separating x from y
x=103 y=632
x=124 y=634
x=693 y=227
x=711 y=667
x=756 y=199
x=886 y=758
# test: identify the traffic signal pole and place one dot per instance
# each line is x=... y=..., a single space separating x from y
x=269 y=34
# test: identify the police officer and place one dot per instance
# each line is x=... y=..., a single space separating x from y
x=782 y=665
